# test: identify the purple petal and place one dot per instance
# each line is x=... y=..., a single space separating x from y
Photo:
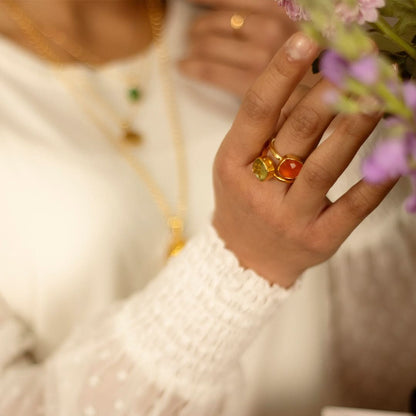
x=387 y=161
x=293 y=10
x=365 y=70
x=409 y=92
x=411 y=146
x=334 y=67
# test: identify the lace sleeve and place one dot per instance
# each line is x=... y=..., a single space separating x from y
x=172 y=349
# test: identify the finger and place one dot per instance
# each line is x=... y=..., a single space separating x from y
x=298 y=94
x=342 y=217
x=328 y=161
x=256 y=120
x=306 y=123
x=245 y=55
x=229 y=78
x=258 y=28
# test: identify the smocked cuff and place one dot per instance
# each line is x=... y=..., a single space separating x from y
x=195 y=320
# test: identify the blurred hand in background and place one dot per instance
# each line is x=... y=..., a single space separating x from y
x=232 y=58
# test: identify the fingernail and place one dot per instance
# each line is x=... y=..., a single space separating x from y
x=299 y=47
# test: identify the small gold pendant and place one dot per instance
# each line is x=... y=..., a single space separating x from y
x=131 y=137
x=178 y=242
x=176 y=247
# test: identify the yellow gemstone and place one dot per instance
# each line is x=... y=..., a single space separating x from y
x=263 y=168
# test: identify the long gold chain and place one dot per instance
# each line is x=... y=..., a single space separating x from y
x=174 y=218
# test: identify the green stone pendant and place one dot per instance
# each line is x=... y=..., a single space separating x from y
x=134 y=94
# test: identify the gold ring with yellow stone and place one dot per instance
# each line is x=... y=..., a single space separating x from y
x=237 y=21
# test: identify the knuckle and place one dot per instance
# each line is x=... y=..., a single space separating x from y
x=358 y=204
x=316 y=176
x=255 y=107
x=354 y=126
x=303 y=122
x=349 y=127
x=281 y=68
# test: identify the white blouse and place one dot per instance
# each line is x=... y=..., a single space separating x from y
x=82 y=237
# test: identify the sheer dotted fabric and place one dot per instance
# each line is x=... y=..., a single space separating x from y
x=172 y=349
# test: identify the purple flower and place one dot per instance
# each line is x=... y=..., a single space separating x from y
x=365 y=70
x=293 y=10
x=334 y=67
x=337 y=69
x=363 y=11
x=368 y=10
x=346 y=12
x=388 y=161
x=409 y=92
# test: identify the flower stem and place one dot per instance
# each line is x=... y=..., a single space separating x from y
x=385 y=28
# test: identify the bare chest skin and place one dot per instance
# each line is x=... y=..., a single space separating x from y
x=105 y=30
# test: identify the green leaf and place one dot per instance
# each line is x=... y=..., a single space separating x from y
x=404 y=11
x=384 y=43
x=399 y=8
x=406 y=27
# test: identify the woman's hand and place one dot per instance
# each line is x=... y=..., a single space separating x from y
x=280 y=229
x=233 y=58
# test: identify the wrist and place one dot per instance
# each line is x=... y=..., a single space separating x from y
x=266 y=265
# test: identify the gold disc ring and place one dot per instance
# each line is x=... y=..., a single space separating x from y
x=237 y=21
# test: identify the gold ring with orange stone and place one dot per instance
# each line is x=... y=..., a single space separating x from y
x=288 y=167
x=286 y=170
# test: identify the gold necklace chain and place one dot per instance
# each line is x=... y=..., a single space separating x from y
x=174 y=217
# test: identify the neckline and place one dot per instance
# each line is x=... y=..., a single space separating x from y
x=30 y=58
x=35 y=60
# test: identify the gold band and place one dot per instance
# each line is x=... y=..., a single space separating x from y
x=237 y=21
x=272 y=150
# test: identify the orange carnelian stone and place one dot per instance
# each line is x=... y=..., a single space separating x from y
x=290 y=168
